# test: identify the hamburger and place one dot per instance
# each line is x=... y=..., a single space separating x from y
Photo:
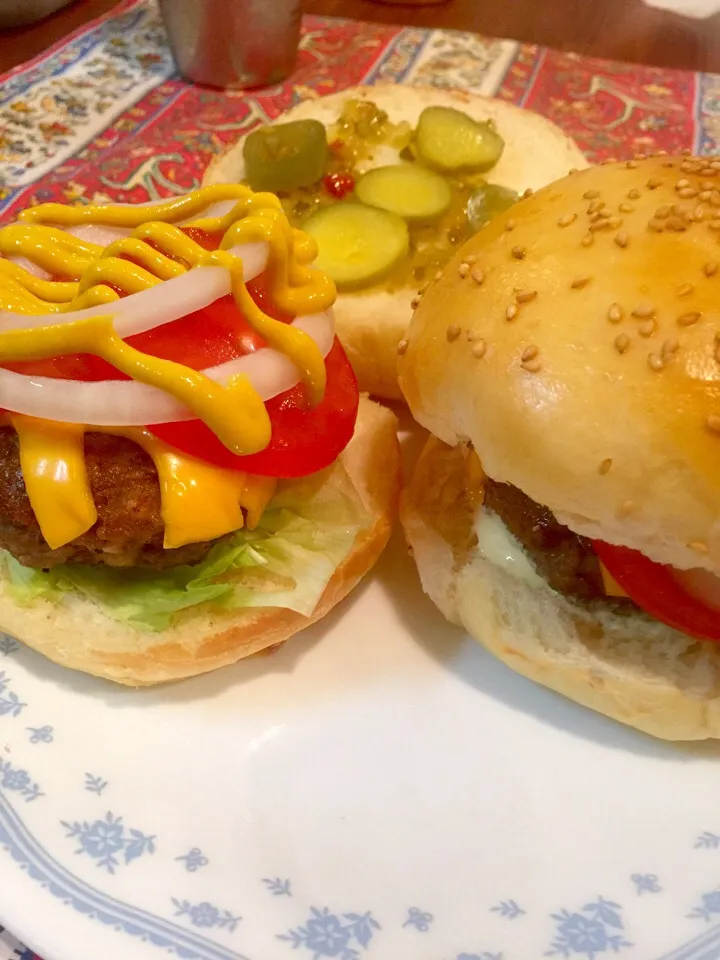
x=188 y=474
x=566 y=509
x=392 y=180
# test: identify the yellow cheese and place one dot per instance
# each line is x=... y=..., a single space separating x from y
x=198 y=501
x=612 y=587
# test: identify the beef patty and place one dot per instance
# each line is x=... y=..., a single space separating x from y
x=129 y=529
x=566 y=560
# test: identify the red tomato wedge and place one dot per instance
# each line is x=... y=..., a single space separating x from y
x=661 y=591
x=304 y=439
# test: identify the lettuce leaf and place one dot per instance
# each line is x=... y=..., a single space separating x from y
x=306 y=532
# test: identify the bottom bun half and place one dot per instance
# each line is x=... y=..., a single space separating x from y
x=627 y=666
x=78 y=634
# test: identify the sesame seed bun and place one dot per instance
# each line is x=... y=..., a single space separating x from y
x=575 y=343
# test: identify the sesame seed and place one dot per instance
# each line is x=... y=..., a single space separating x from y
x=614 y=223
x=438 y=275
x=511 y=312
x=595 y=207
x=622 y=343
x=662 y=213
x=707 y=184
x=527 y=192
x=705 y=195
x=601 y=225
x=710 y=268
x=626 y=208
x=615 y=313
x=605 y=466
x=653 y=184
x=688 y=319
x=402 y=347
x=682 y=184
x=631 y=165
x=713 y=423
x=708 y=172
x=676 y=224
x=477 y=275
x=525 y=296
x=714 y=224
x=453 y=332
x=532 y=366
x=463 y=270
x=644 y=311
x=641 y=156
x=670 y=347
x=573 y=170
x=414 y=302
x=591 y=195
x=647 y=328
x=470 y=259
x=479 y=349
x=511 y=224
x=580 y=282
x=685 y=289
x=687 y=193
x=519 y=253
x=699 y=546
x=567 y=219
x=715 y=198
x=657 y=226
x=633 y=194
x=622 y=239
x=529 y=353
x=699 y=213
x=587 y=240
x=625 y=508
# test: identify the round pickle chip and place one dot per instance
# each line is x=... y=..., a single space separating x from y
x=358 y=245
x=451 y=141
x=407 y=189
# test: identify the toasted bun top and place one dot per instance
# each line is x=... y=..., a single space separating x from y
x=598 y=393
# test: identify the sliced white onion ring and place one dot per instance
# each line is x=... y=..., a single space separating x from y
x=163 y=303
x=30 y=266
x=127 y=402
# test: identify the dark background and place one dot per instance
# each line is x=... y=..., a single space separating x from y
x=617 y=29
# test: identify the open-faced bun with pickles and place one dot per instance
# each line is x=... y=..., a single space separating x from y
x=566 y=511
x=390 y=181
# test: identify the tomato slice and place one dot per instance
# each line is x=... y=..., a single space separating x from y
x=661 y=591
x=304 y=439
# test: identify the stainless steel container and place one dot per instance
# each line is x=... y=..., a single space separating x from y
x=13 y=13
x=233 y=43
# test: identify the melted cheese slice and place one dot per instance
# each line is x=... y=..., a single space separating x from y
x=198 y=501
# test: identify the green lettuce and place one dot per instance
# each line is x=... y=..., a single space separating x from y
x=286 y=561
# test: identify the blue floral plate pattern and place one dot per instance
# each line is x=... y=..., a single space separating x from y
x=379 y=788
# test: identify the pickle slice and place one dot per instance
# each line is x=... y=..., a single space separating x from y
x=357 y=245
x=487 y=202
x=451 y=141
x=285 y=156
x=413 y=192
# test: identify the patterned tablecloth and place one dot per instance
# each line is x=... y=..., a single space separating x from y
x=103 y=115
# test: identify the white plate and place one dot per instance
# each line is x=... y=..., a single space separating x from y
x=381 y=787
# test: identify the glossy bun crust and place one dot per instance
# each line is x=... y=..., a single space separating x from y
x=575 y=343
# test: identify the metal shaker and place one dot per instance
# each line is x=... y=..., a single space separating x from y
x=233 y=43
